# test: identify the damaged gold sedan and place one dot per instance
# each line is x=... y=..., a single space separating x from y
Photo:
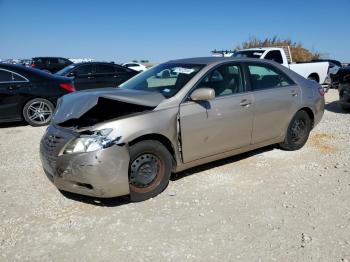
x=183 y=113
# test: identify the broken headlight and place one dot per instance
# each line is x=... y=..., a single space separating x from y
x=91 y=141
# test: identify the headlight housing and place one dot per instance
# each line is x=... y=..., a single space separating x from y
x=92 y=141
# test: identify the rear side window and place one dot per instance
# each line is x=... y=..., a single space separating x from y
x=5 y=76
x=105 y=69
x=265 y=77
x=121 y=69
x=274 y=55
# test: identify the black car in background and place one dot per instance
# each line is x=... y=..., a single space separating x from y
x=30 y=94
x=50 y=64
x=97 y=74
x=344 y=88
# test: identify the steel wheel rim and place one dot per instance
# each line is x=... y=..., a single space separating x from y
x=146 y=171
x=39 y=112
x=298 y=130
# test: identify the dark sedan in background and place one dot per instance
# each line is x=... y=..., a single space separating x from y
x=344 y=88
x=30 y=94
x=50 y=64
x=97 y=74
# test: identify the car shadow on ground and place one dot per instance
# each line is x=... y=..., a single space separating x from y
x=221 y=162
x=13 y=124
x=106 y=202
x=335 y=108
x=119 y=201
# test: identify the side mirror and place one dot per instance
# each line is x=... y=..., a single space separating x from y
x=72 y=74
x=203 y=94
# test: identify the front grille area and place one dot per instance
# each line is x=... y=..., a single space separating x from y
x=51 y=145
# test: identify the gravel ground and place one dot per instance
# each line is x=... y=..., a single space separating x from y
x=266 y=205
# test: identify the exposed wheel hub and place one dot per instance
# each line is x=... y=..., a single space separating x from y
x=298 y=130
x=39 y=112
x=144 y=169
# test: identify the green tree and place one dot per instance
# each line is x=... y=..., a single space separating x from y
x=299 y=53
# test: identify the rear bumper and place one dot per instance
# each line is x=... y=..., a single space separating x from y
x=344 y=94
x=101 y=173
x=319 y=111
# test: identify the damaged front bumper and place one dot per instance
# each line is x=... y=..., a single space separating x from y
x=101 y=173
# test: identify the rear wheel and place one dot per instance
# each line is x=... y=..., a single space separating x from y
x=298 y=132
x=345 y=107
x=313 y=78
x=38 y=112
x=149 y=170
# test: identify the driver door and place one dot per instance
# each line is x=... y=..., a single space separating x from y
x=223 y=124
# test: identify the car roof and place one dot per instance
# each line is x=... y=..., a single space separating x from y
x=96 y=63
x=49 y=57
x=212 y=60
x=28 y=71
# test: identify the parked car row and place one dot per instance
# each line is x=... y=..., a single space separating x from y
x=97 y=74
x=30 y=94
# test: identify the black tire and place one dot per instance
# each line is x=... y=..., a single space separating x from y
x=38 y=112
x=298 y=132
x=345 y=107
x=149 y=169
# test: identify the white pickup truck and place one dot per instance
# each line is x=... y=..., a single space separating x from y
x=317 y=71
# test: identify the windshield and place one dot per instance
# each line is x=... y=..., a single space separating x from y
x=65 y=70
x=166 y=79
x=249 y=54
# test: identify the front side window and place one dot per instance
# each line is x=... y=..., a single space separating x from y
x=84 y=70
x=225 y=80
x=265 y=77
x=166 y=79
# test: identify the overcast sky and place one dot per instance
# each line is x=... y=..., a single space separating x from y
x=162 y=30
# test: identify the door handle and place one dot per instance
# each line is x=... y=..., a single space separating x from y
x=91 y=77
x=116 y=76
x=294 y=93
x=245 y=102
x=13 y=87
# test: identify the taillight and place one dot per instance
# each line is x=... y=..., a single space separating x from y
x=32 y=65
x=321 y=91
x=68 y=86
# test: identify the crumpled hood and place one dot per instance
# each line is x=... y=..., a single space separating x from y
x=75 y=105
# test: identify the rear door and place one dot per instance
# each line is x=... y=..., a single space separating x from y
x=276 y=97
x=105 y=75
x=223 y=124
x=84 y=77
x=11 y=87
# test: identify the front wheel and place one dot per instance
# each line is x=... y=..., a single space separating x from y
x=38 y=112
x=298 y=132
x=149 y=170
